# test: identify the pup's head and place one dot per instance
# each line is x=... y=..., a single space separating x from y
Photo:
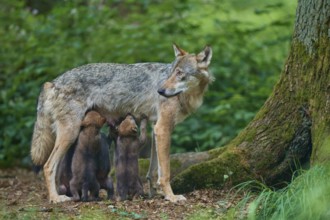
x=128 y=127
x=187 y=72
x=93 y=118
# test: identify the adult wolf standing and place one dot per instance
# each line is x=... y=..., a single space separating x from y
x=165 y=93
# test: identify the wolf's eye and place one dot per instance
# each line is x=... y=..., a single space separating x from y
x=179 y=73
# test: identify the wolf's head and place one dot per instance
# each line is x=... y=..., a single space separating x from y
x=128 y=127
x=93 y=118
x=188 y=72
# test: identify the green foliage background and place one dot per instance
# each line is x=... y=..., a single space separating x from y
x=41 y=39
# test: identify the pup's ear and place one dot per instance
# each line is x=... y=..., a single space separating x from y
x=84 y=123
x=88 y=119
x=102 y=121
x=204 y=57
x=178 y=51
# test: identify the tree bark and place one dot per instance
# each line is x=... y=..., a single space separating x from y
x=293 y=126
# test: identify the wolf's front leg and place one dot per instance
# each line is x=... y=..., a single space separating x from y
x=163 y=130
x=152 y=166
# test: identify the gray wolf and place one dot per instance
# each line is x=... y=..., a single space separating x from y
x=165 y=92
x=85 y=159
x=127 y=146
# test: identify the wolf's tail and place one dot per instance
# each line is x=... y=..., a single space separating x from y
x=43 y=138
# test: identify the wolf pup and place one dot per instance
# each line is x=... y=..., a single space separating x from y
x=127 y=149
x=103 y=167
x=85 y=156
x=102 y=162
x=64 y=173
x=166 y=93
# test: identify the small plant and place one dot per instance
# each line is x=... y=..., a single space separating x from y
x=123 y=213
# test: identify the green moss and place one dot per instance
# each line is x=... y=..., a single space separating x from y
x=216 y=152
x=323 y=152
x=175 y=166
x=113 y=174
x=263 y=163
x=226 y=169
x=262 y=112
x=247 y=135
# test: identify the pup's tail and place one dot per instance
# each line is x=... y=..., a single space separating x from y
x=43 y=138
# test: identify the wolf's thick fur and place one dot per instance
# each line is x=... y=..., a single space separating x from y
x=165 y=93
x=43 y=138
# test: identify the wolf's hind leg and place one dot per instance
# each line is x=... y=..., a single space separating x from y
x=65 y=136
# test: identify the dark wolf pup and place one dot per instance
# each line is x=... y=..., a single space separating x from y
x=64 y=173
x=103 y=167
x=128 y=144
x=165 y=93
x=90 y=161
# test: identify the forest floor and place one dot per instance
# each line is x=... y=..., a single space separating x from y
x=23 y=195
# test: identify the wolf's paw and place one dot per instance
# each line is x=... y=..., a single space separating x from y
x=58 y=199
x=62 y=190
x=175 y=198
x=152 y=192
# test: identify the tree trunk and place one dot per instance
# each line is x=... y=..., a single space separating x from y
x=293 y=126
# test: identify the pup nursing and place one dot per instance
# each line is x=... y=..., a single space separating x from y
x=127 y=147
x=86 y=165
x=85 y=168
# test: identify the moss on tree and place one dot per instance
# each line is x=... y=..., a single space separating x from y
x=227 y=168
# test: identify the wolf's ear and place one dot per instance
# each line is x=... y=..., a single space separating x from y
x=204 y=57
x=178 y=51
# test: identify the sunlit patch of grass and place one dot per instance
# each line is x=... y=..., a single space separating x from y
x=94 y=213
x=204 y=214
x=32 y=213
x=307 y=197
x=125 y=214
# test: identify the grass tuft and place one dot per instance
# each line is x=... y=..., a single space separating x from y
x=307 y=197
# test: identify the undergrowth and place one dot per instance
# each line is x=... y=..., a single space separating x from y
x=306 y=197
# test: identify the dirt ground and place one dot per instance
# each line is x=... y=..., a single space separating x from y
x=23 y=195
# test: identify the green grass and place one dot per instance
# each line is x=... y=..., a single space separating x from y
x=307 y=197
